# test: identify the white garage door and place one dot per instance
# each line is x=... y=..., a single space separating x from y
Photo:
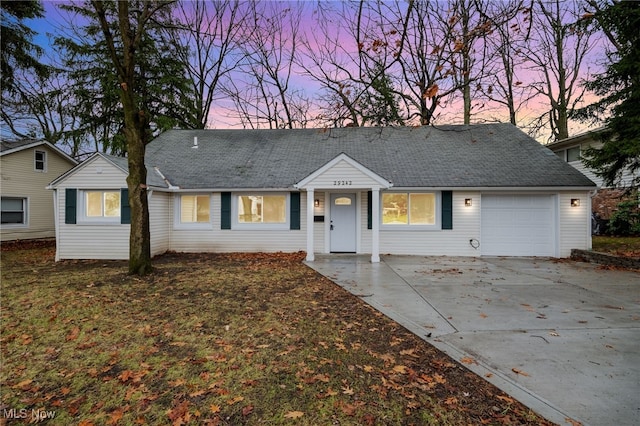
x=518 y=225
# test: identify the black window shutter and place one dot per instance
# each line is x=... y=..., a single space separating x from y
x=225 y=210
x=125 y=208
x=294 y=210
x=70 y=200
x=447 y=210
x=369 y=210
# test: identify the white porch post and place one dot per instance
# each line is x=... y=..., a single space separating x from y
x=310 y=211
x=375 y=225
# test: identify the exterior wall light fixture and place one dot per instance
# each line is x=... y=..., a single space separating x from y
x=575 y=202
x=316 y=202
x=467 y=202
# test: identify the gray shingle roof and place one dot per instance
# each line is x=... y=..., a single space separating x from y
x=487 y=155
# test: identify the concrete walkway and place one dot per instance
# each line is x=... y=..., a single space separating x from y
x=562 y=337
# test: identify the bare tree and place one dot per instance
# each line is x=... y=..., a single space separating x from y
x=262 y=90
x=557 y=51
x=208 y=35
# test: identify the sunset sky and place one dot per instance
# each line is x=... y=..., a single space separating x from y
x=56 y=22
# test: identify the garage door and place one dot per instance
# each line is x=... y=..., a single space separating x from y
x=518 y=225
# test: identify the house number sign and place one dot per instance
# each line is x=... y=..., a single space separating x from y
x=341 y=183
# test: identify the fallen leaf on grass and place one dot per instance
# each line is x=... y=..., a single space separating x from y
x=247 y=410
x=452 y=400
x=23 y=384
x=505 y=399
x=235 y=399
x=400 y=369
x=293 y=415
x=214 y=408
x=347 y=390
x=520 y=372
x=73 y=334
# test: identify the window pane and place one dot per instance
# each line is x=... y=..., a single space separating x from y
x=94 y=204
x=40 y=156
x=202 y=202
x=112 y=204
x=343 y=201
x=423 y=211
x=12 y=217
x=275 y=207
x=249 y=209
x=187 y=209
x=573 y=154
x=194 y=208
x=12 y=204
x=394 y=209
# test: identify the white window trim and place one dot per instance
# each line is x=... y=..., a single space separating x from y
x=44 y=160
x=83 y=219
x=437 y=226
x=25 y=207
x=177 y=207
x=235 y=224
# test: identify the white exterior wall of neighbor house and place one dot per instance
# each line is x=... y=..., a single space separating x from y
x=21 y=180
x=92 y=241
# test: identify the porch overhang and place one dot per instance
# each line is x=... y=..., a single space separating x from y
x=339 y=174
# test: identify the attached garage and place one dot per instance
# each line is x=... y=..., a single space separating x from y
x=518 y=225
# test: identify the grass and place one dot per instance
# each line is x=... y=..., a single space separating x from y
x=219 y=339
x=621 y=246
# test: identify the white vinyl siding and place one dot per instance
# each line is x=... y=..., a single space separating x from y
x=453 y=242
x=575 y=222
x=20 y=180
x=160 y=221
x=239 y=240
x=344 y=176
x=85 y=240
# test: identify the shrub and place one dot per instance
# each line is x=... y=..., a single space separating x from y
x=626 y=219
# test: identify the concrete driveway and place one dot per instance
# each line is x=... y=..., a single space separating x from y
x=562 y=337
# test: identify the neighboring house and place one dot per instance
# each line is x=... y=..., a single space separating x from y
x=27 y=167
x=448 y=190
x=606 y=199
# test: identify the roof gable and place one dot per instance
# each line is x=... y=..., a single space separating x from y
x=7 y=148
x=343 y=171
x=116 y=162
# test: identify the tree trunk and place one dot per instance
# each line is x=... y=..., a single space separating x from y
x=139 y=237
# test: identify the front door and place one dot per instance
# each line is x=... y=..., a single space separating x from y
x=343 y=223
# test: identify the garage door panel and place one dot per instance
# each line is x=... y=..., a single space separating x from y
x=517 y=225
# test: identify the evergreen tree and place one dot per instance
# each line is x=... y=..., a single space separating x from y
x=619 y=87
x=18 y=49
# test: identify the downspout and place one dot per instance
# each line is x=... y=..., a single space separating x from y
x=56 y=226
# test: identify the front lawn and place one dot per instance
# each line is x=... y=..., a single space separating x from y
x=219 y=339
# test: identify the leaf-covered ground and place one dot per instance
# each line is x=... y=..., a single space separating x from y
x=222 y=340
x=620 y=246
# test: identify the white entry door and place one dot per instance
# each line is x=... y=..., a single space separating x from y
x=343 y=223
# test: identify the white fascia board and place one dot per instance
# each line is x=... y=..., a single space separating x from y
x=200 y=190
x=496 y=188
